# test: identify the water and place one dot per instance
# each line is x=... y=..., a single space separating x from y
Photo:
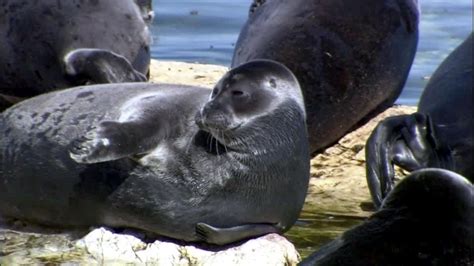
x=205 y=31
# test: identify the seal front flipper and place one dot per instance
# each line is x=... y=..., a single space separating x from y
x=95 y=66
x=406 y=141
x=222 y=236
x=110 y=140
x=144 y=121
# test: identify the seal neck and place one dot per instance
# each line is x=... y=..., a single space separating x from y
x=273 y=138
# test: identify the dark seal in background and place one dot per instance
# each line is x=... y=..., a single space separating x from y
x=351 y=58
x=439 y=135
x=48 y=44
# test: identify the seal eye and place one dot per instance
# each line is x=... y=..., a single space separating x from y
x=273 y=83
x=237 y=93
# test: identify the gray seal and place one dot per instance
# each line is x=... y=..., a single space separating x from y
x=426 y=220
x=47 y=45
x=351 y=58
x=170 y=160
x=439 y=135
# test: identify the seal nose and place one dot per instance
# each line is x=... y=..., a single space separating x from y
x=207 y=108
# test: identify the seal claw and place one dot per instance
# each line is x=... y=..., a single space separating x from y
x=206 y=233
x=100 y=144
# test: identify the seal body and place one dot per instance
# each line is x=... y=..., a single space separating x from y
x=439 y=135
x=426 y=220
x=447 y=100
x=166 y=159
x=48 y=44
x=351 y=58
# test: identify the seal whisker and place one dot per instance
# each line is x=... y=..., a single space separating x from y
x=188 y=145
x=209 y=141
x=217 y=145
x=223 y=142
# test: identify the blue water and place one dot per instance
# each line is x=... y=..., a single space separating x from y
x=205 y=31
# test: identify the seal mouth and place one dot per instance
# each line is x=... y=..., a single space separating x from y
x=219 y=123
x=235 y=127
x=219 y=130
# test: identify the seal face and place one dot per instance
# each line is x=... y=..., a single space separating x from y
x=439 y=135
x=48 y=45
x=166 y=159
x=346 y=78
x=426 y=220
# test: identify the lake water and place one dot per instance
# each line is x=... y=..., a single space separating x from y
x=205 y=31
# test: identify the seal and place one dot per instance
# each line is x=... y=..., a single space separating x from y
x=351 y=58
x=439 y=135
x=426 y=220
x=166 y=159
x=48 y=45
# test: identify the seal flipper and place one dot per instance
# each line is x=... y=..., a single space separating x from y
x=222 y=236
x=100 y=66
x=145 y=120
x=110 y=140
x=406 y=141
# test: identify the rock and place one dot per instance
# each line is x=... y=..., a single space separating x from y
x=101 y=246
x=106 y=247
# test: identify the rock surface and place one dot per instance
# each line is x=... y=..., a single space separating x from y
x=102 y=247
x=337 y=188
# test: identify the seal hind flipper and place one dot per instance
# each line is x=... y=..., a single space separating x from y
x=222 y=236
x=406 y=141
x=100 y=66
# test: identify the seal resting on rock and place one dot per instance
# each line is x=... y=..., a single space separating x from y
x=426 y=220
x=351 y=58
x=166 y=159
x=47 y=45
x=439 y=135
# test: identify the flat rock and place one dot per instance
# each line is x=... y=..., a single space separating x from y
x=101 y=246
